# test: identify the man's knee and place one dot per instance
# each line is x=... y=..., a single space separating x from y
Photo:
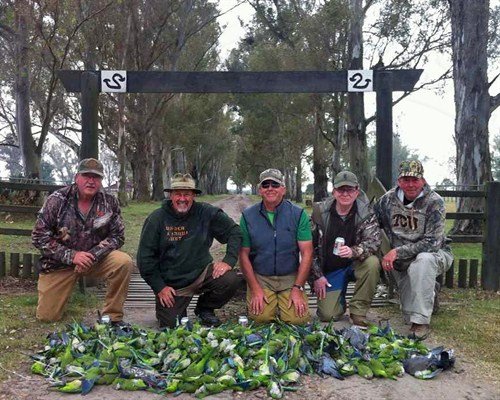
x=123 y=259
x=295 y=320
x=327 y=315
x=371 y=266
x=230 y=280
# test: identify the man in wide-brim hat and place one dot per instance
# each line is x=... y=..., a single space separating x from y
x=174 y=255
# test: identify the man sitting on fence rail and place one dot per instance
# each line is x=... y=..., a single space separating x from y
x=349 y=215
x=413 y=217
x=78 y=232
x=174 y=255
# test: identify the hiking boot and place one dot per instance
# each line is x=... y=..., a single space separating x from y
x=122 y=325
x=420 y=330
x=359 y=321
x=207 y=317
x=437 y=289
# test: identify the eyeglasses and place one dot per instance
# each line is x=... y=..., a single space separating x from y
x=346 y=189
x=267 y=184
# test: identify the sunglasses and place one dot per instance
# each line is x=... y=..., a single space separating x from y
x=267 y=184
x=346 y=189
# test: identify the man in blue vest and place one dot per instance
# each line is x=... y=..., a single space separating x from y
x=276 y=254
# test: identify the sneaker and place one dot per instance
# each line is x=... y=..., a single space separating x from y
x=124 y=326
x=420 y=330
x=359 y=321
x=437 y=289
x=207 y=317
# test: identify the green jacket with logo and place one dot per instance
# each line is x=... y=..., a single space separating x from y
x=174 y=249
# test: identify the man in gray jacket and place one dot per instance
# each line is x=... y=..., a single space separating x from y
x=348 y=214
x=413 y=217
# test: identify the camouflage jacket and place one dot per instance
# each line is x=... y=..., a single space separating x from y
x=60 y=230
x=367 y=232
x=413 y=229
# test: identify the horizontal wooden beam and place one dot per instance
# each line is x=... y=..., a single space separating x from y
x=461 y=193
x=242 y=82
x=15 y=232
x=19 y=209
x=465 y=215
x=40 y=187
x=466 y=238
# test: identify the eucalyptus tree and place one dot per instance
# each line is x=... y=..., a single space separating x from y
x=473 y=103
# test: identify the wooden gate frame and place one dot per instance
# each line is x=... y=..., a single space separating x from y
x=384 y=83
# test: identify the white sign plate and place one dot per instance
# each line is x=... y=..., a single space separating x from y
x=114 y=81
x=360 y=80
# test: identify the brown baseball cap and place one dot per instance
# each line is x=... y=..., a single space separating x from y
x=90 y=166
x=272 y=174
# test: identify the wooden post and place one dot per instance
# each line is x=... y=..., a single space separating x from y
x=490 y=274
x=90 y=96
x=473 y=272
x=14 y=265
x=2 y=264
x=27 y=265
x=36 y=266
x=462 y=273
x=449 y=276
x=384 y=128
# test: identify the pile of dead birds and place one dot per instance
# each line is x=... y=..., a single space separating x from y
x=200 y=360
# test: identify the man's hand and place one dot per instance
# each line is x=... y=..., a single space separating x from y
x=320 y=285
x=345 y=252
x=257 y=301
x=166 y=297
x=83 y=261
x=388 y=260
x=219 y=269
x=297 y=299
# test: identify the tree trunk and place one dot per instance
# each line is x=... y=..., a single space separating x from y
x=141 y=168
x=31 y=161
x=469 y=26
x=157 y=168
x=298 y=179
x=319 y=162
x=356 y=126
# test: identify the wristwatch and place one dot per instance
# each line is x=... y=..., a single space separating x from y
x=300 y=287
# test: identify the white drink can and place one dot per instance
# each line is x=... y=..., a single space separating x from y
x=340 y=241
x=242 y=320
x=105 y=319
x=184 y=321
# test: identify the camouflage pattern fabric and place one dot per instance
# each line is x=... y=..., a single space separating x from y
x=60 y=230
x=413 y=229
x=367 y=232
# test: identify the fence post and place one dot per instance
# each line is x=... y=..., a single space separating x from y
x=462 y=273
x=14 y=265
x=449 y=276
x=36 y=261
x=2 y=264
x=27 y=264
x=473 y=272
x=490 y=274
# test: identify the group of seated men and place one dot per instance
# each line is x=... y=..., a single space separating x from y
x=279 y=247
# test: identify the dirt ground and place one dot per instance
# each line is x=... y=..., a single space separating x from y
x=462 y=382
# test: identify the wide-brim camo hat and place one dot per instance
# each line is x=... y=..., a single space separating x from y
x=412 y=168
x=91 y=166
x=271 y=174
x=345 y=178
x=183 y=182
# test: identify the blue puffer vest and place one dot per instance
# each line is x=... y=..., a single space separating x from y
x=274 y=250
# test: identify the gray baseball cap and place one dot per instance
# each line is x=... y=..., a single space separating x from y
x=345 y=178
x=90 y=166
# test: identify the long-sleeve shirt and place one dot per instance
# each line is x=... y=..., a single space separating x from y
x=61 y=230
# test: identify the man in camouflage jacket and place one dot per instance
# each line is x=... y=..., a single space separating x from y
x=78 y=231
x=413 y=217
x=347 y=214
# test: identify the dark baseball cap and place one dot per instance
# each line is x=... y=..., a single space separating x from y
x=345 y=178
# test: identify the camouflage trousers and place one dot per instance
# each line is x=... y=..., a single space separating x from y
x=416 y=285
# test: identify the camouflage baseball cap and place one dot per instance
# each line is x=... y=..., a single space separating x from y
x=183 y=182
x=90 y=166
x=411 y=168
x=345 y=178
x=271 y=174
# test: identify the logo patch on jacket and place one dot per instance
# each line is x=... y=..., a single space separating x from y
x=404 y=221
x=176 y=233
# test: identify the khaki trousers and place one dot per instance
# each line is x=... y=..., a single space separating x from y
x=277 y=290
x=366 y=274
x=55 y=288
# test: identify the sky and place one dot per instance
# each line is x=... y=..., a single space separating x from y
x=425 y=120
